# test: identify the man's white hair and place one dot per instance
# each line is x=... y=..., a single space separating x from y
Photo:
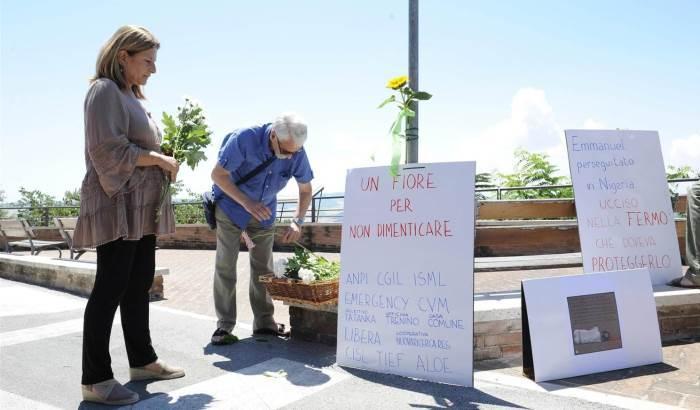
x=290 y=125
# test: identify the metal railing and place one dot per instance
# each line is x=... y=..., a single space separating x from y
x=286 y=207
x=500 y=190
x=41 y=215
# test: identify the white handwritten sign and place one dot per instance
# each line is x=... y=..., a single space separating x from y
x=407 y=272
x=623 y=205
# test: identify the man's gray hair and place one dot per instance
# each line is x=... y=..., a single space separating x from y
x=290 y=125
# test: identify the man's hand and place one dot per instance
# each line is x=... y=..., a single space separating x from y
x=258 y=210
x=222 y=178
x=292 y=234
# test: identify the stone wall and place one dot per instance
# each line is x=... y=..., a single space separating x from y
x=313 y=325
x=72 y=276
x=508 y=239
x=498 y=339
x=679 y=322
x=318 y=236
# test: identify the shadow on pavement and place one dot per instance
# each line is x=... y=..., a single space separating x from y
x=253 y=350
x=158 y=401
x=445 y=395
x=682 y=341
x=611 y=376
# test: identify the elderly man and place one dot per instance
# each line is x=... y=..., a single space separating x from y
x=691 y=279
x=254 y=164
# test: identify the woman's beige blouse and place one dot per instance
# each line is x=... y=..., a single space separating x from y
x=118 y=199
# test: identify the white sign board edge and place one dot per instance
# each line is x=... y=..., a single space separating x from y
x=550 y=326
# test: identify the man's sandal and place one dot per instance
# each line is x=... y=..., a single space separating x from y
x=222 y=337
x=677 y=283
x=280 y=331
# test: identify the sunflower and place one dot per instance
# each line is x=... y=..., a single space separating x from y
x=397 y=82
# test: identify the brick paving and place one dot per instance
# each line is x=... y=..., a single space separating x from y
x=675 y=382
x=189 y=285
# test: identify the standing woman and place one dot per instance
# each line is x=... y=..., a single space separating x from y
x=118 y=201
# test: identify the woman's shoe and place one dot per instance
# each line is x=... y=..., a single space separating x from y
x=155 y=371
x=109 y=392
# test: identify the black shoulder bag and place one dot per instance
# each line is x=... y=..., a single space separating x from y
x=208 y=202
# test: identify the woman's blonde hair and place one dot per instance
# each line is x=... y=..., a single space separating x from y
x=132 y=39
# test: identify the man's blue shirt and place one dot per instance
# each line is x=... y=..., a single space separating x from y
x=241 y=152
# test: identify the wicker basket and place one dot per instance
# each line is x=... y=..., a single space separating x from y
x=296 y=291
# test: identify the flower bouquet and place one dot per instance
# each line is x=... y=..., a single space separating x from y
x=186 y=137
x=304 y=278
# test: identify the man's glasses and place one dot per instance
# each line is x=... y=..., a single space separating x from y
x=282 y=150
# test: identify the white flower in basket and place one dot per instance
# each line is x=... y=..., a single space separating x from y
x=280 y=269
x=303 y=278
x=306 y=275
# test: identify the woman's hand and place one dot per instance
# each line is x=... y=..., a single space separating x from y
x=170 y=166
x=164 y=162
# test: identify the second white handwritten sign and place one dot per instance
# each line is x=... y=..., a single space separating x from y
x=623 y=205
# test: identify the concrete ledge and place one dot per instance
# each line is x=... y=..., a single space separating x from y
x=73 y=276
x=498 y=324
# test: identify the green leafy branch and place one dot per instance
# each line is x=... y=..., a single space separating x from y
x=185 y=138
x=303 y=258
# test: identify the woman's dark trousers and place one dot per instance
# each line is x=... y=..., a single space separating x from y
x=125 y=272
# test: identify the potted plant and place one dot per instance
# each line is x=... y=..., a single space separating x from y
x=305 y=278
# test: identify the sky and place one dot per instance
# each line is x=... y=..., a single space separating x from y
x=504 y=74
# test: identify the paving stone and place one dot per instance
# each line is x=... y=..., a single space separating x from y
x=665 y=397
x=691 y=402
x=678 y=387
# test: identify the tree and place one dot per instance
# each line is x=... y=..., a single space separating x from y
x=483 y=180
x=3 y=213
x=190 y=213
x=534 y=169
x=72 y=197
x=684 y=171
x=39 y=203
x=34 y=200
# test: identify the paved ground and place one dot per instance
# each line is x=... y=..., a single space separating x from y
x=40 y=359
x=40 y=354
